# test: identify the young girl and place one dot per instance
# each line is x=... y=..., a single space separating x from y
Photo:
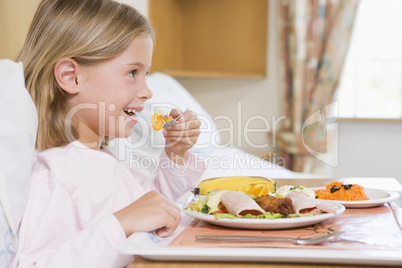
x=85 y=66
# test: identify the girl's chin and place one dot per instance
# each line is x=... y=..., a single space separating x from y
x=123 y=134
x=123 y=131
x=130 y=121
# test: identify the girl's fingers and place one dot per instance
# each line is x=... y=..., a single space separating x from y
x=152 y=211
x=172 y=219
x=182 y=134
x=175 y=113
x=193 y=124
x=165 y=231
x=174 y=214
x=172 y=205
x=189 y=115
x=172 y=209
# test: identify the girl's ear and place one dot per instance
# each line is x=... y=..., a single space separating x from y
x=66 y=74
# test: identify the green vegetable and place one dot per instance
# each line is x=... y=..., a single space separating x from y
x=197 y=205
x=268 y=215
x=225 y=216
x=205 y=209
x=297 y=187
x=302 y=215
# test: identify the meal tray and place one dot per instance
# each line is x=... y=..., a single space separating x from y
x=152 y=247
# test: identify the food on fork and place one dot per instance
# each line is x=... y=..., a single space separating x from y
x=158 y=120
x=256 y=186
x=339 y=191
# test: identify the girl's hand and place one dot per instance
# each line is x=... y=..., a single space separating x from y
x=150 y=212
x=182 y=136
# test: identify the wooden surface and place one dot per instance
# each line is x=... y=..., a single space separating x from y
x=379 y=183
x=376 y=120
x=15 y=19
x=142 y=263
x=209 y=38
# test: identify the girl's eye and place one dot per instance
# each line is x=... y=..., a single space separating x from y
x=132 y=73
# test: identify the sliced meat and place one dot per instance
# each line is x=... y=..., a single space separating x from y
x=302 y=204
x=240 y=204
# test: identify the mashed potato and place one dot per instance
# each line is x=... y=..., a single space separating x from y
x=287 y=189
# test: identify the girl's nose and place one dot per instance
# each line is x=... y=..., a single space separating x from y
x=145 y=92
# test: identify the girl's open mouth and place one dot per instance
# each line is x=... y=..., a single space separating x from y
x=130 y=112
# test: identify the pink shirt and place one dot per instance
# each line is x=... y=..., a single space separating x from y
x=69 y=221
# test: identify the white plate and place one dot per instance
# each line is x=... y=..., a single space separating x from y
x=281 y=223
x=377 y=198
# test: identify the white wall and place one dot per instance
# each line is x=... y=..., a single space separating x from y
x=369 y=149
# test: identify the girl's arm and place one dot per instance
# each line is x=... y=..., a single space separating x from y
x=56 y=240
x=179 y=170
x=172 y=180
x=52 y=235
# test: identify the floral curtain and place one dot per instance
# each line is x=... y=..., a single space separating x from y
x=313 y=41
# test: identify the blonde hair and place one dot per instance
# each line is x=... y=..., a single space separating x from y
x=88 y=31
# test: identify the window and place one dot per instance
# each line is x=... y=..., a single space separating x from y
x=371 y=82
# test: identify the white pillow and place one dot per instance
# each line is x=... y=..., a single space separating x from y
x=19 y=122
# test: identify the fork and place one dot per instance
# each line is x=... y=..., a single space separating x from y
x=224 y=238
x=174 y=120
